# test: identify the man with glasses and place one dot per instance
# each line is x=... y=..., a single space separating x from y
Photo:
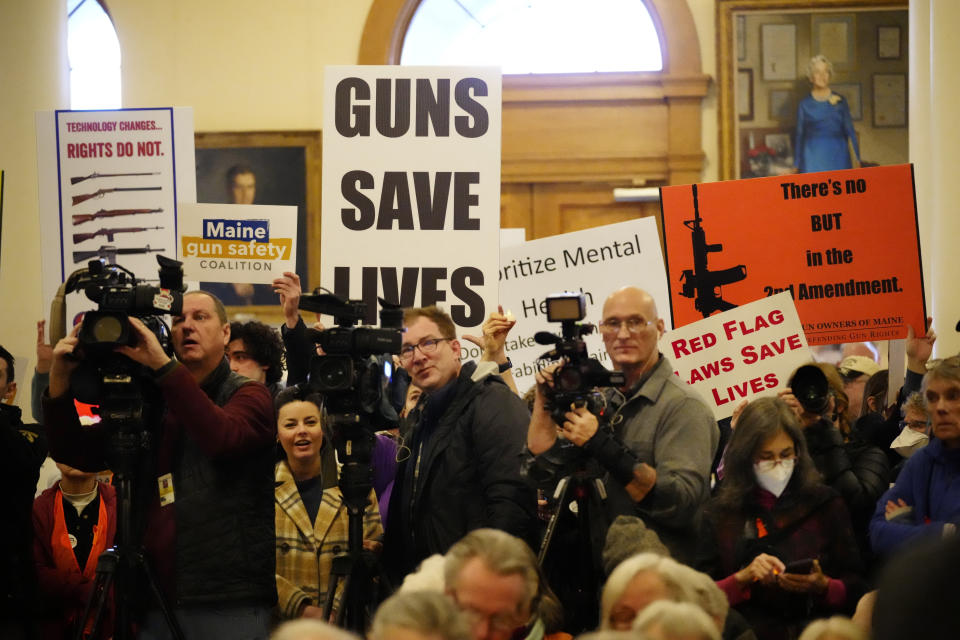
x=656 y=463
x=462 y=469
x=492 y=577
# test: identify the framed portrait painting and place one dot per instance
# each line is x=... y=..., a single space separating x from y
x=276 y=168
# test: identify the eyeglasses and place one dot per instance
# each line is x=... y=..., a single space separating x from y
x=916 y=425
x=635 y=325
x=500 y=623
x=426 y=347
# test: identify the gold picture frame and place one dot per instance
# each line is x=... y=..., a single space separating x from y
x=728 y=62
x=287 y=169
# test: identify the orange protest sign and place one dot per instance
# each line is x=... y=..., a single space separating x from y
x=844 y=244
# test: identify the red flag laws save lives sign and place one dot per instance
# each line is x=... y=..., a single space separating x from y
x=740 y=354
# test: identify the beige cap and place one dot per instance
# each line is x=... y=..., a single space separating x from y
x=853 y=365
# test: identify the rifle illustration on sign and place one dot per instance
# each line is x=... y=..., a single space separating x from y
x=109 y=233
x=700 y=283
x=95 y=175
x=110 y=253
x=110 y=213
x=101 y=192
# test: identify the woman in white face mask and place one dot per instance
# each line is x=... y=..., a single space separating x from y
x=777 y=540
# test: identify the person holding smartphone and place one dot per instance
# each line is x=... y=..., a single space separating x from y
x=777 y=540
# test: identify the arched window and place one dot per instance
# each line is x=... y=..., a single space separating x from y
x=570 y=135
x=534 y=36
x=94 y=53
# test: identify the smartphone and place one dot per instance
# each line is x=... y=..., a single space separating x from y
x=799 y=566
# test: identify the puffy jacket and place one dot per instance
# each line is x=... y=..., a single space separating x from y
x=468 y=473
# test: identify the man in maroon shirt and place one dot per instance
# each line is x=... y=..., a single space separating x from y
x=209 y=502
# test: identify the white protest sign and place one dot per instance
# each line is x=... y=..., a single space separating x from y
x=740 y=354
x=411 y=187
x=109 y=184
x=595 y=262
x=237 y=242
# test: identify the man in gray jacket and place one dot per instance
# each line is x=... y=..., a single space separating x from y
x=656 y=460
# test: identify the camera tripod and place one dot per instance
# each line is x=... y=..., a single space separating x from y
x=579 y=496
x=357 y=569
x=118 y=566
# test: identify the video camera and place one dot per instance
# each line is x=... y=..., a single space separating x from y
x=352 y=375
x=576 y=379
x=105 y=377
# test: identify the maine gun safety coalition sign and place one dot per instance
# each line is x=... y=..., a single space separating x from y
x=237 y=242
x=844 y=244
x=411 y=188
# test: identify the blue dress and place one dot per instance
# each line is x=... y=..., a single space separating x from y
x=822 y=133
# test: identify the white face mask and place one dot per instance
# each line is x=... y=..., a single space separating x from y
x=909 y=442
x=774 y=475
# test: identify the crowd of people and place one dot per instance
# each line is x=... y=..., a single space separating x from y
x=238 y=508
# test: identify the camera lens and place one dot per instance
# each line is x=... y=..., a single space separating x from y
x=810 y=387
x=107 y=329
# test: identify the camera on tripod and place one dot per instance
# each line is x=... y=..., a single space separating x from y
x=576 y=379
x=352 y=376
x=104 y=377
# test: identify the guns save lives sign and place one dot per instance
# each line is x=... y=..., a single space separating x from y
x=844 y=244
x=411 y=188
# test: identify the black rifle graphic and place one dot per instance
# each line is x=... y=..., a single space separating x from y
x=109 y=233
x=101 y=192
x=700 y=283
x=80 y=218
x=95 y=175
x=110 y=253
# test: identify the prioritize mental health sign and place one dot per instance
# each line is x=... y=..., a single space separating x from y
x=592 y=262
x=844 y=244
x=411 y=187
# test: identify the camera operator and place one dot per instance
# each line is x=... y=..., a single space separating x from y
x=209 y=521
x=657 y=462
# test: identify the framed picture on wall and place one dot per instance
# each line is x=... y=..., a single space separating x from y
x=889 y=100
x=888 y=43
x=741 y=38
x=280 y=168
x=780 y=38
x=745 y=94
x=834 y=36
x=778 y=43
x=782 y=104
x=851 y=93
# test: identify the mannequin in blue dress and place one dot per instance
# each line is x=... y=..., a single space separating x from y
x=824 y=124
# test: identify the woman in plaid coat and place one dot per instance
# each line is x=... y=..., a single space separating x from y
x=311 y=517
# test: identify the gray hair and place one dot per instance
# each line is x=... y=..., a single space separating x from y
x=676 y=620
x=669 y=570
x=708 y=596
x=835 y=626
x=308 y=629
x=502 y=554
x=425 y=612
x=819 y=59
x=947 y=370
x=916 y=402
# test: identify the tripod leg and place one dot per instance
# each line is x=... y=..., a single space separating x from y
x=561 y=498
x=89 y=622
x=336 y=574
x=175 y=631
